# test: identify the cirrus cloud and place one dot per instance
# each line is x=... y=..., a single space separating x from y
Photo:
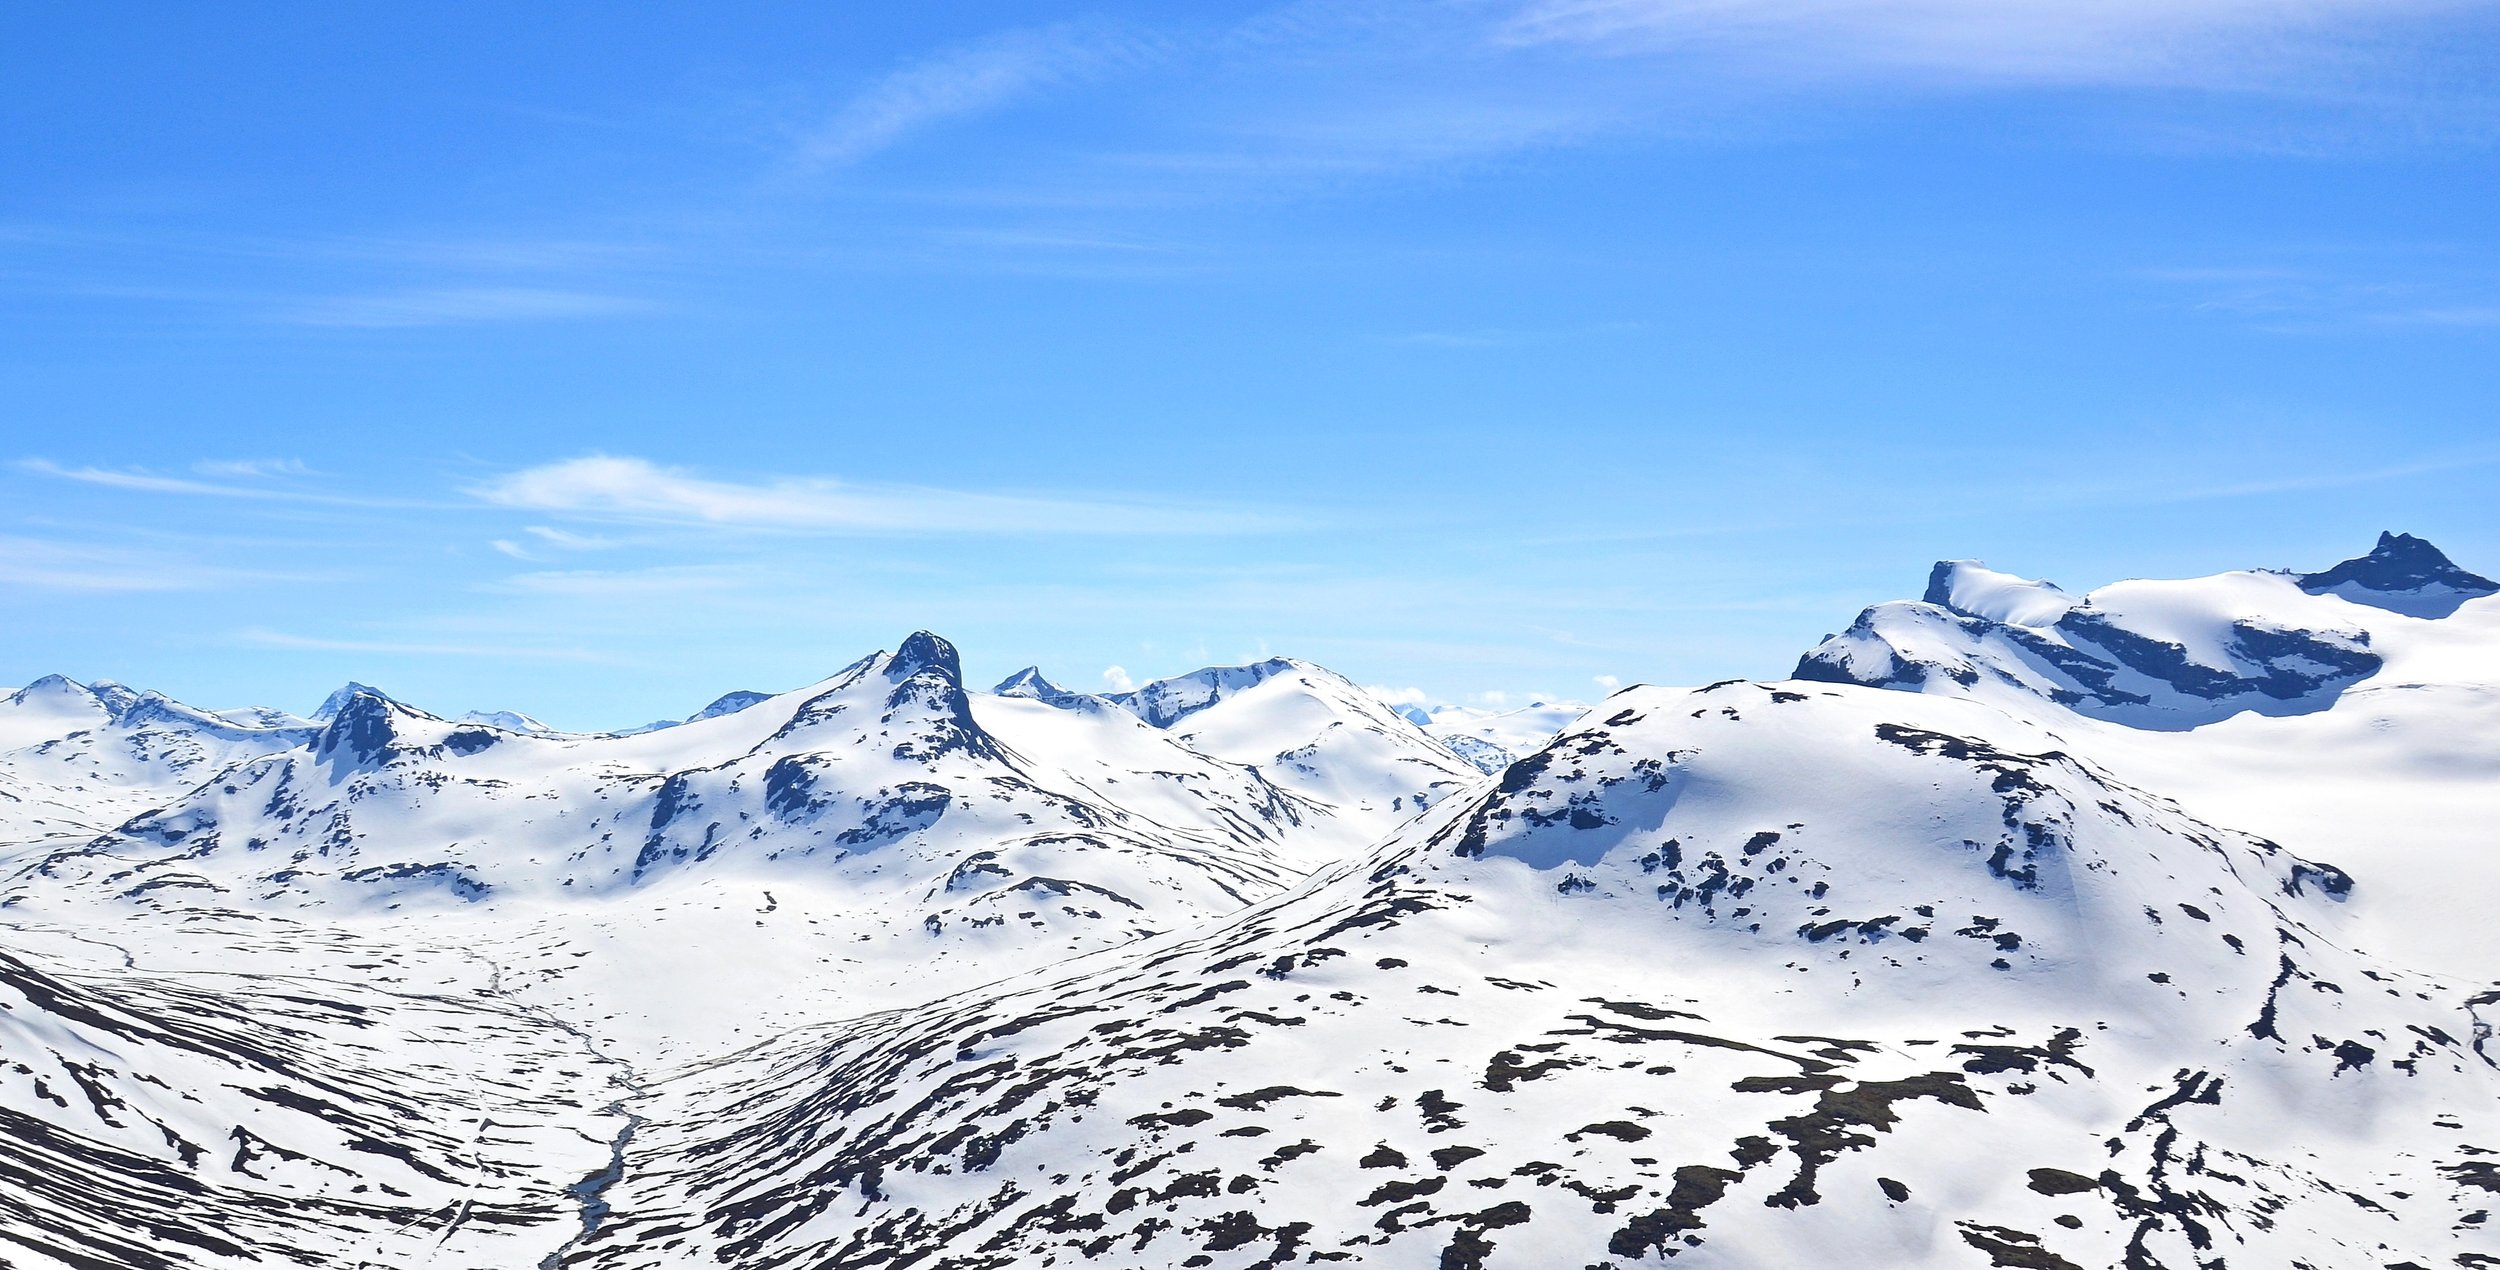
x=634 y=489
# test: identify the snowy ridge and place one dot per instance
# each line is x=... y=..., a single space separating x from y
x=76 y=758
x=1303 y=727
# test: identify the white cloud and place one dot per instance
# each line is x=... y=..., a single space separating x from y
x=512 y=549
x=966 y=81
x=145 y=481
x=448 y=306
x=2210 y=43
x=637 y=489
x=1494 y=699
x=1117 y=679
x=1401 y=696
x=141 y=480
x=1607 y=682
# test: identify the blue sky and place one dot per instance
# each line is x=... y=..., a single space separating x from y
x=594 y=360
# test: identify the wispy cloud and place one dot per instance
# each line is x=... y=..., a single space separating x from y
x=48 y=565
x=2437 y=289
x=972 y=80
x=142 y=480
x=637 y=489
x=259 y=637
x=451 y=306
x=2205 y=43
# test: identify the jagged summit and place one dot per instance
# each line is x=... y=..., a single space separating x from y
x=925 y=653
x=2402 y=574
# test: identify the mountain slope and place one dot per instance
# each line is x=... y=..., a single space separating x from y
x=1958 y=999
x=335 y=1113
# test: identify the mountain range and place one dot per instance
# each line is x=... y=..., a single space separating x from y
x=2139 y=927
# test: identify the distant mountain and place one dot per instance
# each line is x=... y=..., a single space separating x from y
x=509 y=721
x=2149 y=654
x=1494 y=739
x=1302 y=727
x=2402 y=574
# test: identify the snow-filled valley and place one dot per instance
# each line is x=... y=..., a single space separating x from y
x=2143 y=927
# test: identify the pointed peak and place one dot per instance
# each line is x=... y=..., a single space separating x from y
x=1029 y=684
x=59 y=692
x=1023 y=683
x=925 y=652
x=728 y=703
x=337 y=701
x=362 y=725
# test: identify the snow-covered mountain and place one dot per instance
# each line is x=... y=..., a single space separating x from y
x=2350 y=712
x=2140 y=928
x=1962 y=999
x=1495 y=739
x=1304 y=727
x=77 y=758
